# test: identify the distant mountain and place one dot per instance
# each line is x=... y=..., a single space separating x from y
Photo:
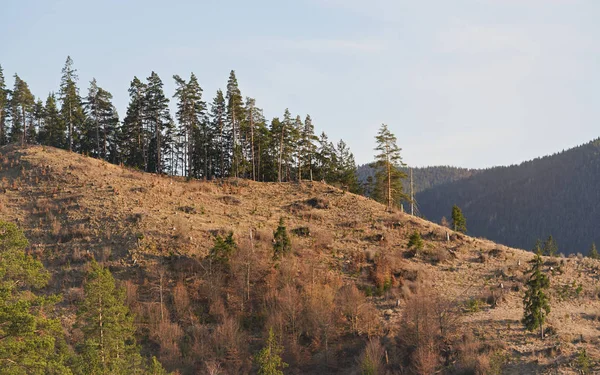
x=424 y=178
x=515 y=205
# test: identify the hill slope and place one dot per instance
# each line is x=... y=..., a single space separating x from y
x=349 y=277
x=555 y=195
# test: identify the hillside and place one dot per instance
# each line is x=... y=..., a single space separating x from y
x=351 y=286
x=554 y=195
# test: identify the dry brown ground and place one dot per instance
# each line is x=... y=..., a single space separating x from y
x=73 y=206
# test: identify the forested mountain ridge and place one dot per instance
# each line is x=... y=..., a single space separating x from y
x=554 y=195
x=212 y=275
x=423 y=177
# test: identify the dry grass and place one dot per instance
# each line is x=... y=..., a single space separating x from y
x=71 y=204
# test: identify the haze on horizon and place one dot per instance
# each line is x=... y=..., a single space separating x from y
x=474 y=83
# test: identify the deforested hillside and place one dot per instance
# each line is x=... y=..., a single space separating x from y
x=555 y=195
x=216 y=271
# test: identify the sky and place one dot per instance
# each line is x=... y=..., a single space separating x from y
x=471 y=83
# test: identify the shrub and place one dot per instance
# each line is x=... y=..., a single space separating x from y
x=415 y=241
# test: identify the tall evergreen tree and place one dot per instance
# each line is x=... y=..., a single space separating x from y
x=22 y=107
x=71 y=106
x=535 y=302
x=4 y=108
x=30 y=340
x=346 y=168
x=103 y=120
x=308 y=148
x=223 y=135
x=107 y=324
x=388 y=176
x=269 y=358
x=191 y=114
x=326 y=159
x=459 y=223
x=235 y=113
x=52 y=132
x=158 y=122
x=134 y=141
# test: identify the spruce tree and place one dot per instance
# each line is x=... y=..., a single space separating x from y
x=550 y=247
x=30 y=338
x=107 y=325
x=308 y=148
x=282 y=244
x=223 y=136
x=535 y=302
x=4 y=107
x=388 y=174
x=101 y=125
x=134 y=137
x=459 y=223
x=71 y=106
x=235 y=113
x=346 y=168
x=52 y=132
x=269 y=358
x=593 y=252
x=326 y=159
x=22 y=106
x=159 y=124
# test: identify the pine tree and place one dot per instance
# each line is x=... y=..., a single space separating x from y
x=308 y=148
x=222 y=249
x=593 y=252
x=52 y=132
x=191 y=114
x=108 y=329
x=235 y=112
x=388 y=176
x=550 y=247
x=346 y=168
x=415 y=241
x=536 y=303
x=269 y=358
x=71 y=106
x=459 y=223
x=159 y=124
x=30 y=341
x=102 y=123
x=282 y=244
x=326 y=159
x=285 y=134
x=22 y=106
x=4 y=108
x=134 y=142
x=223 y=135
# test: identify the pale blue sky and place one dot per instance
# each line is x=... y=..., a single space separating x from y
x=471 y=83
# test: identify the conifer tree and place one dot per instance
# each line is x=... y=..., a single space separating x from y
x=159 y=124
x=346 y=168
x=308 y=148
x=71 y=106
x=593 y=252
x=269 y=358
x=550 y=247
x=326 y=159
x=459 y=223
x=102 y=123
x=235 y=113
x=4 y=107
x=222 y=249
x=134 y=142
x=22 y=106
x=30 y=340
x=191 y=114
x=107 y=324
x=223 y=135
x=388 y=175
x=282 y=244
x=535 y=302
x=52 y=132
